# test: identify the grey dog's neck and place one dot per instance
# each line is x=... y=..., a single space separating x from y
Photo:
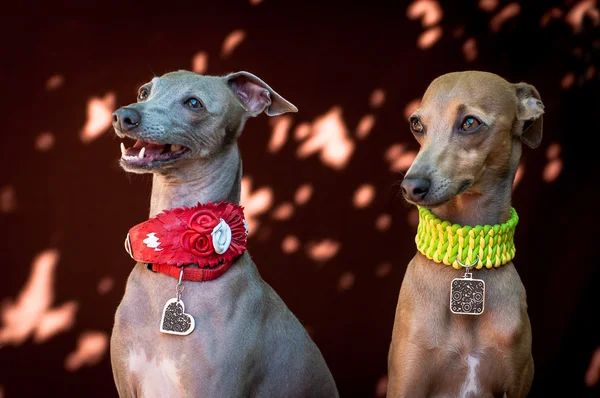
x=214 y=179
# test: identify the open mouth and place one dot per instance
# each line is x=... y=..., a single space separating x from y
x=143 y=152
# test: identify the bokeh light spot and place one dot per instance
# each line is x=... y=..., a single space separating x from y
x=508 y=12
x=365 y=125
x=303 y=194
x=279 y=136
x=105 y=285
x=469 y=49
x=346 y=281
x=552 y=170
x=383 y=222
x=255 y=203
x=231 y=42
x=91 y=347
x=377 y=98
x=429 y=11
x=283 y=212
x=383 y=270
x=381 y=386
x=54 y=82
x=8 y=199
x=411 y=107
x=44 y=141
x=363 y=196
x=322 y=251
x=200 y=62
x=290 y=244
x=99 y=117
x=428 y=38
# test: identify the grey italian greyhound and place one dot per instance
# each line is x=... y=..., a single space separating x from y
x=470 y=126
x=246 y=343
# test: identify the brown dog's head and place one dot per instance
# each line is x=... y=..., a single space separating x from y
x=469 y=126
x=183 y=116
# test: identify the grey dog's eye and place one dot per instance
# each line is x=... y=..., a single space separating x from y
x=416 y=125
x=143 y=94
x=193 y=103
x=470 y=124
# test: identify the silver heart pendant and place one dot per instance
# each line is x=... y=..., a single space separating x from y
x=175 y=320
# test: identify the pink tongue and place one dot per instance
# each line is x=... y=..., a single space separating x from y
x=151 y=149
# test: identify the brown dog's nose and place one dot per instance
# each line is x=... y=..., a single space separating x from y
x=126 y=118
x=415 y=189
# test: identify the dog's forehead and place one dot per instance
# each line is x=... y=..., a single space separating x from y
x=480 y=89
x=185 y=81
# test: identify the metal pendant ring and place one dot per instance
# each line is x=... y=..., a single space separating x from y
x=468 y=266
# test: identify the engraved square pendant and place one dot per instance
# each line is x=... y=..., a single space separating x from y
x=467 y=296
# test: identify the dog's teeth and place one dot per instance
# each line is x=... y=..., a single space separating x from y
x=141 y=154
x=175 y=147
x=123 y=149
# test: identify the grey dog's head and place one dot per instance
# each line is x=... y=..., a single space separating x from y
x=183 y=116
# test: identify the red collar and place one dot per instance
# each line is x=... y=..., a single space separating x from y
x=210 y=236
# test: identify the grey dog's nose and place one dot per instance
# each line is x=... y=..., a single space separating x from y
x=415 y=189
x=126 y=118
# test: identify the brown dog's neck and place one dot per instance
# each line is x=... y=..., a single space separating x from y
x=487 y=208
x=211 y=180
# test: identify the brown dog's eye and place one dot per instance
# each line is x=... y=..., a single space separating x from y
x=415 y=125
x=143 y=94
x=469 y=125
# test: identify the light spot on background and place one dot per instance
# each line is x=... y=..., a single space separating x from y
x=302 y=131
x=365 y=125
x=381 y=386
x=200 y=62
x=54 y=82
x=231 y=42
x=363 y=196
x=508 y=12
x=554 y=166
x=383 y=270
x=346 y=281
x=105 y=285
x=290 y=244
x=399 y=157
x=99 y=117
x=413 y=217
x=519 y=175
x=303 y=194
x=567 y=80
x=553 y=13
x=581 y=10
x=428 y=38
x=469 y=49
x=383 y=222
x=553 y=150
x=255 y=203
x=8 y=199
x=55 y=321
x=91 y=347
x=590 y=72
x=411 y=107
x=44 y=141
x=377 y=98
x=279 y=135
x=330 y=137
x=283 y=212
x=429 y=11
x=488 y=5
x=322 y=251
x=25 y=315
x=255 y=2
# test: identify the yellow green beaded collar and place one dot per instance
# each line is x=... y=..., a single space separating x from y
x=446 y=243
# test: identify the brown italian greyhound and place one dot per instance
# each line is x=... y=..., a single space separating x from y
x=246 y=342
x=470 y=126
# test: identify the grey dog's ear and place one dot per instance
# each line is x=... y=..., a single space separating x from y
x=257 y=96
x=529 y=114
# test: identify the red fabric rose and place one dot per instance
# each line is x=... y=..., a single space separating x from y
x=203 y=221
x=198 y=244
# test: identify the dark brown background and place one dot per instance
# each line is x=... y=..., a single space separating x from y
x=73 y=198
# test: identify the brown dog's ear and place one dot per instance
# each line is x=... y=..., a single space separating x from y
x=529 y=114
x=257 y=96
